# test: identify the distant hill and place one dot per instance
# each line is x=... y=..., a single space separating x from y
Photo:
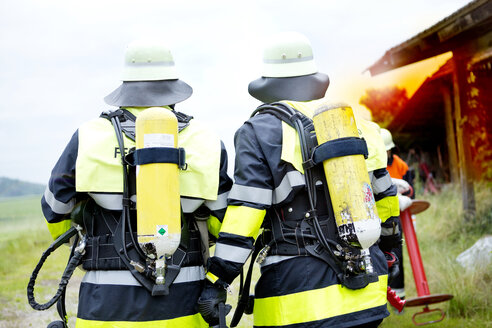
x=14 y=188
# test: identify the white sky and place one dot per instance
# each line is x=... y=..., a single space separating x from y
x=60 y=58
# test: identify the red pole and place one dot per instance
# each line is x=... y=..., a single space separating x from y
x=414 y=254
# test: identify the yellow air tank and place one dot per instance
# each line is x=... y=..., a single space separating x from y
x=158 y=199
x=348 y=181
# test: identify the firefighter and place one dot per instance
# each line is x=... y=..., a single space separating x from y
x=88 y=178
x=270 y=191
x=402 y=177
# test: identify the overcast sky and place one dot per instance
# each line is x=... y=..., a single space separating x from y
x=60 y=58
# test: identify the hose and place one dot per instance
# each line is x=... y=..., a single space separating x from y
x=72 y=264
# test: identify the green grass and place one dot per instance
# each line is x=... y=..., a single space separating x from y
x=23 y=238
x=442 y=235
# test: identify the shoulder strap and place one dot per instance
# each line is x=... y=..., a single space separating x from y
x=127 y=120
x=283 y=112
x=304 y=127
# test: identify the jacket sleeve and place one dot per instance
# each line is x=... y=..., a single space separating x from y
x=218 y=207
x=250 y=195
x=385 y=194
x=60 y=196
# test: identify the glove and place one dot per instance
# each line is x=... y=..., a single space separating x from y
x=387 y=243
x=208 y=302
x=404 y=202
x=401 y=185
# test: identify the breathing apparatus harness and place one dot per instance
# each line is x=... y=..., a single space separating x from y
x=316 y=234
x=129 y=253
x=141 y=267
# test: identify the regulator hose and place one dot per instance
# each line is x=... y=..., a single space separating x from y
x=72 y=264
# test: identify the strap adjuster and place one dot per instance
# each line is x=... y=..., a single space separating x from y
x=310 y=163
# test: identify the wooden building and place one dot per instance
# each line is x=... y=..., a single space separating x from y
x=450 y=114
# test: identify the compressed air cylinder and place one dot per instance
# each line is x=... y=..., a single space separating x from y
x=348 y=181
x=158 y=199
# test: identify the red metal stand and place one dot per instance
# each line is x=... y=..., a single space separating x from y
x=423 y=292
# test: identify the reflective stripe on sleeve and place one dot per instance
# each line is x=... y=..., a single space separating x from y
x=125 y=278
x=290 y=180
x=232 y=253
x=58 y=228
x=388 y=207
x=211 y=277
x=219 y=203
x=380 y=184
x=251 y=194
x=213 y=225
x=57 y=206
x=243 y=220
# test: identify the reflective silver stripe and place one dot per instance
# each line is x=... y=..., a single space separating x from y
x=114 y=202
x=189 y=274
x=251 y=194
x=232 y=253
x=219 y=203
x=125 y=278
x=189 y=205
x=287 y=60
x=389 y=231
x=272 y=259
x=381 y=184
x=111 y=202
x=57 y=206
x=290 y=180
x=110 y=277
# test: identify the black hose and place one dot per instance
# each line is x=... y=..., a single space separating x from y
x=126 y=197
x=72 y=264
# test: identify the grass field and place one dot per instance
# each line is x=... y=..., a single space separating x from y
x=23 y=238
x=441 y=232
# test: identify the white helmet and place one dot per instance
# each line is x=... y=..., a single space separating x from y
x=148 y=60
x=149 y=77
x=289 y=71
x=387 y=138
x=288 y=54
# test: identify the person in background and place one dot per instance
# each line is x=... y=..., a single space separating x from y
x=402 y=177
